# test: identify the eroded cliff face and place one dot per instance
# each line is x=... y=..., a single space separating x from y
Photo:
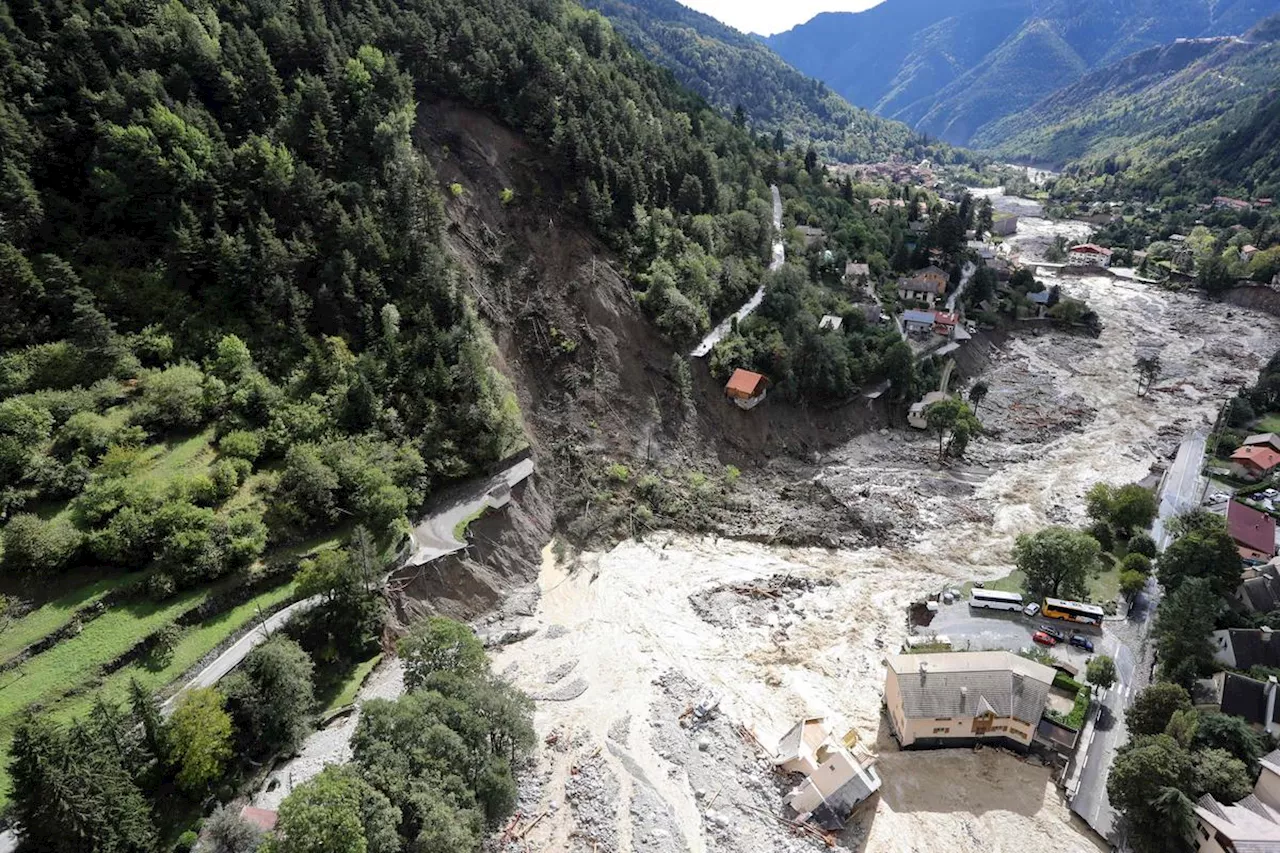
x=595 y=381
x=1256 y=297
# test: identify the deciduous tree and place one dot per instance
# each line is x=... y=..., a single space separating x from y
x=1154 y=706
x=1101 y=671
x=199 y=739
x=1184 y=621
x=1057 y=561
x=336 y=812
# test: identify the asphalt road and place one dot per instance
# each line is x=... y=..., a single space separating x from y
x=431 y=539
x=779 y=258
x=1180 y=491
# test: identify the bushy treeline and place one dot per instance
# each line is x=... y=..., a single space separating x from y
x=431 y=771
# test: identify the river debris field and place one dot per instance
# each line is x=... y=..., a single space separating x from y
x=774 y=634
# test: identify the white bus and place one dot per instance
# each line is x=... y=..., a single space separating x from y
x=995 y=600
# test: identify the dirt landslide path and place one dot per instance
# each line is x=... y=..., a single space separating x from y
x=628 y=639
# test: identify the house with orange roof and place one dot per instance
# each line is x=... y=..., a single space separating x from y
x=746 y=389
x=1255 y=461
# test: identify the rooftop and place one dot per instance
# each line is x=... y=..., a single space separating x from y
x=1091 y=248
x=955 y=684
x=1252 y=825
x=1253 y=529
x=1262 y=455
x=745 y=382
x=1269 y=439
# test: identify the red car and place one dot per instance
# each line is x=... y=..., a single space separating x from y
x=1044 y=639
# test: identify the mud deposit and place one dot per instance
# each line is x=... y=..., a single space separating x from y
x=676 y=619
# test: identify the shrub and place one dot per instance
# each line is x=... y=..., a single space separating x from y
x=1101 y=531
x=160 y=586
x=507 y=196
x=225 y=478
x=38 y=547
x=241 y=444
x=172 y=398
x=618 y=472
x=1133 y=562
x=1143 y=544
x=456 y=190
x=86 y=432
x=186 y=841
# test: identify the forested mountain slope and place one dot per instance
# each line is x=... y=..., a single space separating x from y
x=731 y=69
x=1147 y=106
x=234 y=333
x=951 y=67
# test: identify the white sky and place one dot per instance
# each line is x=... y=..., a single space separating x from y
x=767 y=18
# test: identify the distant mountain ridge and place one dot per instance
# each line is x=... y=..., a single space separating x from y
x=730 y=68
x=952 y=68
x=1148 y=106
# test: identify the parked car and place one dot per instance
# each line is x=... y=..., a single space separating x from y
x=1032 y=609
x=1081 y=642
x=1043 y=639
x=1053 y=632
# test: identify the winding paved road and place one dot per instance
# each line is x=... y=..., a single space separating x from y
x=431 y=539
x=779 y=258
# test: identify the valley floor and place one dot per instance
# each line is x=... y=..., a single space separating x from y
x=627 y=639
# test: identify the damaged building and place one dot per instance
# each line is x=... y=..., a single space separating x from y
x=839 y=773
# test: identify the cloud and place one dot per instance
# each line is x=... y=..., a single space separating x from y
x=767 y=18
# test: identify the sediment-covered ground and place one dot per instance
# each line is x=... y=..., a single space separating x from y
x=1063 y=413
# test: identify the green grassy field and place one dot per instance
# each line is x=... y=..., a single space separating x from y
x=344 y=691
x=65 y=679
x=196 y=642
x=1269 y=422
x=53 y=615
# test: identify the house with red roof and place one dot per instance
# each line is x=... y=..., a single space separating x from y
x=1253 y=531
x=1089 y=255
x=1255 y=461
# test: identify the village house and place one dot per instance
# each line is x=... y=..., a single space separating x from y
x=1237 y=695
x=1231 y=203
x=1004 y=225
x=944 y=323
x=916 y=322
x=1264 y=439
x=1247 y=253
x=856 y=273
x=1089 y=255
x=918 y=414
x=879 y=204
x=985 y=251
x=922 y=286
x=1254 y=461
x=810 y=235
x=1259 y=590
x=873 y=314
x=264 y=820
x=919 y=227
x=746 y=389
x=1254 y=532
x=838 y=773
x=1245 y=648
x=1252 y=824
x=957 y=699
x=830 y=322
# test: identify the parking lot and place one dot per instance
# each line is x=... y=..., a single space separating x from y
x=982 y=629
